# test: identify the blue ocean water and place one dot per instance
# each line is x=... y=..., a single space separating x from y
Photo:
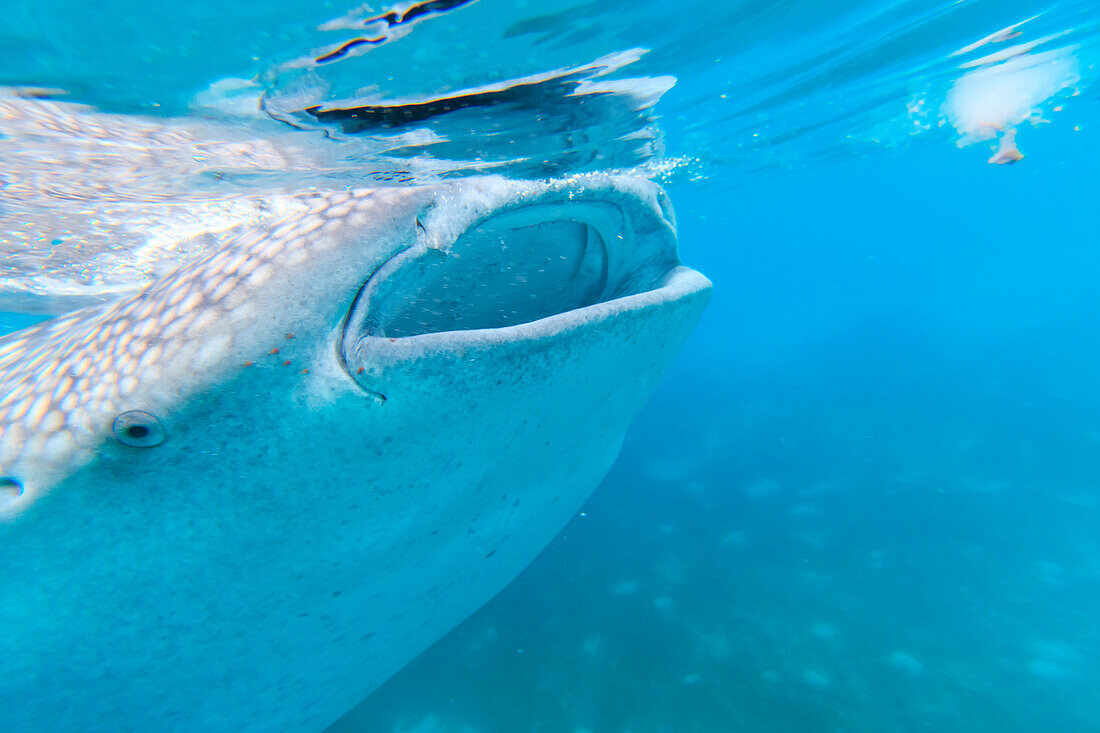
x=866 y=496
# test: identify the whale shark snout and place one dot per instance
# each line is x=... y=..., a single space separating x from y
x=245 y=496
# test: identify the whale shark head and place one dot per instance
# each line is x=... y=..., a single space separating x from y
x=246 y=495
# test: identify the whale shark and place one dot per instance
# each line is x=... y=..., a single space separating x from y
x=244 y=495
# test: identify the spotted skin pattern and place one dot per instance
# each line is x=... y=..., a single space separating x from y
x=63 y=382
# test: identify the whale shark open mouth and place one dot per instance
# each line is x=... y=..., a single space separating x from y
x=544 y=261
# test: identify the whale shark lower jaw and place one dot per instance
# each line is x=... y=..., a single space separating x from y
x=247 y=495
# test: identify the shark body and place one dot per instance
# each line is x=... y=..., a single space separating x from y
x=243 y=497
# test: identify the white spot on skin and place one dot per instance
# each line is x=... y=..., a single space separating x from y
x=12 y=443
x=261 y=274
x=247 y=268
x=84 y=365
x=23 y=391
x=311 y=224
x=905 y=662
x=58 y=446
x=69 y=402
x=238 y=297
x=126 y=364
x=203 y=320
x=34 y=445
x=211 y=352
x=177 y=327
x=123 y=343
x=191 y=302
x=242 y=312
x=338 y=212
x=237 y=262
x=149 y=355
x=52 y=422
x=297 y=256
x=223 y=288
x=38 y=409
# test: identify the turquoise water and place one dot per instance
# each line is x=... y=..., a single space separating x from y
x=867 y=496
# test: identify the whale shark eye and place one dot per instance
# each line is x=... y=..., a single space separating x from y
x=10 y=487
x=138 y=429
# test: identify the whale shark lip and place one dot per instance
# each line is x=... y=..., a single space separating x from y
x=515 y=273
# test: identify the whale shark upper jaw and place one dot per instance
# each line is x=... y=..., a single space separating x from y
x=529 y=268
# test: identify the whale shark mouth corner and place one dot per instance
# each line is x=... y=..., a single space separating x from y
x=524 y=272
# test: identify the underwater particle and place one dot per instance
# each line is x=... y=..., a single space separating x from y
x=1046 y=669
x=1050 y=573
x=734 y=537
x=691 y=679
x=905 y=662
x=1052 y=660
x=671 y=470
x=815 y=678
x=762 y=488
x=825 y=631
x=138 y=429
x=876 y=559
x=626 y=588
x=802 y=510
x=593 y=646
x=662 y=603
